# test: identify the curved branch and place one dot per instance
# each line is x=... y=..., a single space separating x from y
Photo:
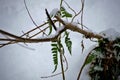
x=69 y=26
x=75 y=28
x=13 y=42
x=28 y=40
x=54 y=37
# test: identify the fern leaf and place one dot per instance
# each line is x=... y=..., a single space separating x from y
x=55 y=54
x=68 y=42
x=65 y=13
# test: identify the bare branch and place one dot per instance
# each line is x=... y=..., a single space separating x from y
x=38 y=33
x=50 y=20
x=25 y=46
x=13 y=42
x=27 y=40
x=83 y=2
x=70 y=7
x=69 y=26
x=31 y=17
x=29 y=13
x=81 y=11
x=75 y=28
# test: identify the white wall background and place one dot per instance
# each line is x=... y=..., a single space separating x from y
x=18 y=63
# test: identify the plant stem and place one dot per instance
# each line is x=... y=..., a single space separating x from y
x=61 y=3
x=62 y=67
x=61 y=57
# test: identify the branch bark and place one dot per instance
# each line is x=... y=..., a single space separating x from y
x=66 y=26
x=75 y=28
x=28 y=40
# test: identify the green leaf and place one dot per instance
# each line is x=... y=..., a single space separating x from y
x=53 y=44
x=90 y=59
x=54 y=49
x=55 y=69
x=50 y=29
x=68 y=42
x=55 y=54
x=65 y=13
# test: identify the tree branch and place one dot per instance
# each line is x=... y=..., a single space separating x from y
x=75 y=28
x=28 y=40
x=13 y=42
x=66 y=25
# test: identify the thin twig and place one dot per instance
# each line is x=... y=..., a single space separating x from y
x=59 y=72
x=83 y=2
x=24 y=46
x=31 y=17
x=61 y=59
x=61 y=1
x=29 y=13
x=50 y=20
x=11 y=42
x=77 y=13
x=70 y=7
x=27 y=40
x=83 y=25
x=38 y=32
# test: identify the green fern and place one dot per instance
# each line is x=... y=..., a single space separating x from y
x=68 y=42
x=65 y=13
x=55 y=54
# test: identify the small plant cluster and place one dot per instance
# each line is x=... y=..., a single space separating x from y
x=57 y=45
x=105 y=60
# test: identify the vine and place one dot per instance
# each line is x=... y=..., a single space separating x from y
x=104 y=60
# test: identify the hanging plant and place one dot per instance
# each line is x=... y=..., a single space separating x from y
x=105 y=60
